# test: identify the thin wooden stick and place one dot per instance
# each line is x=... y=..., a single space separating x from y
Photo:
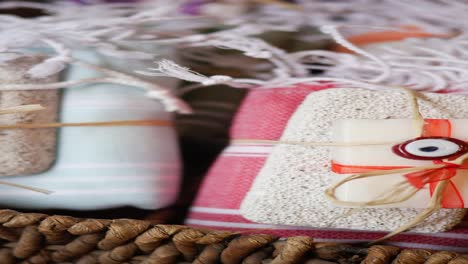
x=434 y=205
x=418 y=119
x=90 y=124
x=330 y=193
x=309 y=143
x=34 y=189
x=21 y=109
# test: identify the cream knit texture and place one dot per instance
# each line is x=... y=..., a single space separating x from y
x=290 y=188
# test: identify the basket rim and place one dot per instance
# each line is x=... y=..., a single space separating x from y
x=56 y=239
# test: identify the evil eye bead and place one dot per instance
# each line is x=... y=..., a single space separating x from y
x=431 y=148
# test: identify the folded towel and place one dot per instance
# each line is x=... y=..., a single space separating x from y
x=264 y=115
x=290 y=187
x=105 y=167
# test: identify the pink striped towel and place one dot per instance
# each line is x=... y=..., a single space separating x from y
x=264 y=115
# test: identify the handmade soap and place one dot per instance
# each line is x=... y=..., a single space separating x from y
x=387 y=156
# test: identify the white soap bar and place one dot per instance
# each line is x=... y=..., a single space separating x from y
x=393 y=132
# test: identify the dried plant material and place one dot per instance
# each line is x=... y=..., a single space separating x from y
x=55 y=229
x=165 y=254
x=8 y=234
x=22 y=220
x=119 y=254
x=87 y=259
x=41 y=258
x=28 y=243
x=78 y=247
x=186 y=242
x=155 y=236
x=89 y=226
x=7 y=256
x=441 y=257
x=334 y=251
x=259 y=256
x=412 y=257
x=294 y=250
x=6 y=215
x=211 y=254
x=459 y=260
x=380 y=254
x=241 y=247
x=119 y=232
x=215 y=237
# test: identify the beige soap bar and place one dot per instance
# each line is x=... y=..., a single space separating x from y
x=393 y=131
x=27 y=151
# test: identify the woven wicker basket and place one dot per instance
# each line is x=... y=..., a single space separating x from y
x=38 y=238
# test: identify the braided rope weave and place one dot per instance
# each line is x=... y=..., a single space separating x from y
x=33 y=238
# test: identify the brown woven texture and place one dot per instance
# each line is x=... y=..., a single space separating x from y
x=33 y=238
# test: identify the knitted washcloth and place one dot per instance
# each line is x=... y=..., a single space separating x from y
x=27 y=151
x=290 y=187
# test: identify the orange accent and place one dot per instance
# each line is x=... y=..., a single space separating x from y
x=437 y=128
x=432 y=128
x=386 y=36
x=452 y=197
x=348 y=169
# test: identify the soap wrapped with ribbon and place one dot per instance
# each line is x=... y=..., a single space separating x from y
x=442 y=141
